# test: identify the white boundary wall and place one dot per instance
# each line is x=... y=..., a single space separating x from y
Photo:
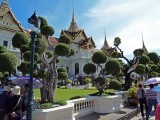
x=80 y=107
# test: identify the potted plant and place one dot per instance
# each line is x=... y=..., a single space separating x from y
x=88 y=82
x=68 y=82
x=132 y=96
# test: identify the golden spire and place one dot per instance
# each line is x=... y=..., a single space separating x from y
x=4 y=7
x=4 y=3
x=105 y=45
x=73 y=11
x=143 y=46
x=73 y=27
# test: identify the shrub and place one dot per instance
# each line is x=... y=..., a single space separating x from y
x=61 y=102
x=110 y=91
x=76 y=97
x=68 y=81
x=46 y=105
x=87 y=80
x=115 y=84
x=132 y=92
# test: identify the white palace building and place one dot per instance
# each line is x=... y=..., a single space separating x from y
x=83 y=45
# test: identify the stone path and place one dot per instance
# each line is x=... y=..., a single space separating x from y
x=138 y=117
x=125 y=114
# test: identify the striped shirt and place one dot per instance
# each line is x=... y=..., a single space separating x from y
x=151 y=94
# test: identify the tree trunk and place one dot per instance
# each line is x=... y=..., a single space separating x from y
x=50 y=91
x=55 y=74
x=44 y=90
x=127 y=81
x=50 y=85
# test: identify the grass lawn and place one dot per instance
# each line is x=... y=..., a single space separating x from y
x=66 y=94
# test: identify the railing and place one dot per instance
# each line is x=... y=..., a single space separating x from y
x=82 y=106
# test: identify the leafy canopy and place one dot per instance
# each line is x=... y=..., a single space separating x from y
x=99 y=57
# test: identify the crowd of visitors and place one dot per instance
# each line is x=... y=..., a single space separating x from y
x=149 y=98
x=13 y=102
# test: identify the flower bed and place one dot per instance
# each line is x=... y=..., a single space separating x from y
x=58 y=113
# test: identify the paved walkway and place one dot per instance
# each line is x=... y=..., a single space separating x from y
x=138 y=117
x=125 y=114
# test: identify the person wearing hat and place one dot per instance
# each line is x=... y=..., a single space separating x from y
x=4 y=99
x=16 y=104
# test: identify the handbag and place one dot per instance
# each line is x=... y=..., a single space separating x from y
x=143 y=96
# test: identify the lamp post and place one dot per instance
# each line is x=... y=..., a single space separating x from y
x=34 y=21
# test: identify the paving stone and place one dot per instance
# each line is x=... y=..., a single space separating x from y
x=128 y=112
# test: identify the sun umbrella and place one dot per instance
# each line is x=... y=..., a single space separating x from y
x=157 y=79
x=152 y=81
x=156 y=88
x=12 y=78
x=21 y=81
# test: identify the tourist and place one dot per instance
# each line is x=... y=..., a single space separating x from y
x=0 y=88
x=25 y=98
x=151 y=100
x=142 y=99
x=139 y=82
x=158 y=94
x=4 y=98
x=157 y=115
x=15 y=105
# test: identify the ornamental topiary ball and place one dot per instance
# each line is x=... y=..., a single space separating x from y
x=115 y=84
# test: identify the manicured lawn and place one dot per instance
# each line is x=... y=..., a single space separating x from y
x=66 y=94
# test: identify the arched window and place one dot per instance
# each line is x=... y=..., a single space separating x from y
x=76 y=68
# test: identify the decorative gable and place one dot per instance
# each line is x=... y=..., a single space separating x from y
x=8 y=18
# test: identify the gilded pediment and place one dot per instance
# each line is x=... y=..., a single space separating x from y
x=3 y=11
x=9 y=18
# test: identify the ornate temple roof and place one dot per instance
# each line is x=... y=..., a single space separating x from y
x=144 y=47
x=87 y=43
x=53 y=40
x=77 y=35
x=73 y=27
x=105 y=45
x=107 y=49
x=4 y=10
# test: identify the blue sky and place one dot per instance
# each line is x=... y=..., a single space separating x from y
x=120 y=18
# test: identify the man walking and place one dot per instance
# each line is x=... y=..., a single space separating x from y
x=142 y=99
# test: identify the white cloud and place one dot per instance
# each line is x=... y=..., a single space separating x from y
x=125 y=19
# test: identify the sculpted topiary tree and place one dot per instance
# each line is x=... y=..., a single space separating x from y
x=154 y=57
x=130 y=66
x=99 y=58
x=62 y=73
x=20 y=39
x=148 y=65
x=45 y=61
x=8 y=61
x=113 y=67
x=142 y=68
x=3 y=49
x=61 y=49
